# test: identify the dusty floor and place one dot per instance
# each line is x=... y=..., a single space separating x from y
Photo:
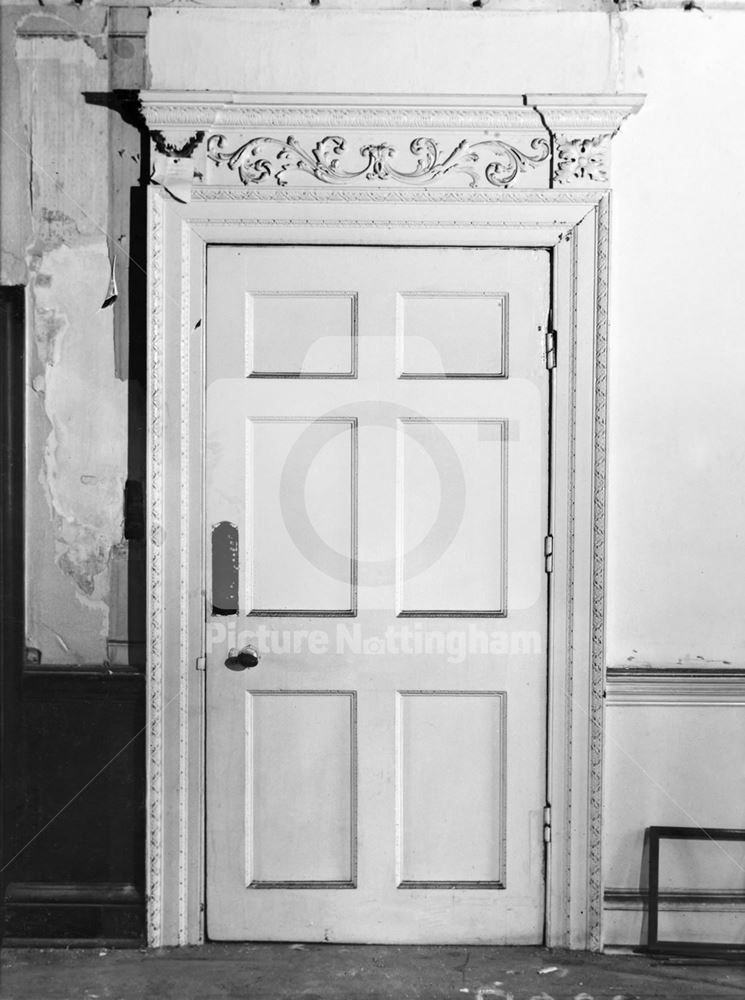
x=337 y=972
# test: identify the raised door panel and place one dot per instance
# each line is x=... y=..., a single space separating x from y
x=301 y=789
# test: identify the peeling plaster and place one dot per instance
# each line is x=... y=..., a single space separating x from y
x=15 y=216
x=77 y=409
x=67 y=137
x=83 y=464
x=89 y=24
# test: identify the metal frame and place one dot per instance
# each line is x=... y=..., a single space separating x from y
x=698 y=948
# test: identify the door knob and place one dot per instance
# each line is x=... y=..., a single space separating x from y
x=242 y=659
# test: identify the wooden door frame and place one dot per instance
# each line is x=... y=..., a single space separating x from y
x=506 y=172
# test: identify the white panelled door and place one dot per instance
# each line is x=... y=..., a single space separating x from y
x=376 y=491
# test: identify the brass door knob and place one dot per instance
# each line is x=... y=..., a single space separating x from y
x=242 y=659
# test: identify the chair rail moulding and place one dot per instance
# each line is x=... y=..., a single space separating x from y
x=479 y=171
x=674 y=685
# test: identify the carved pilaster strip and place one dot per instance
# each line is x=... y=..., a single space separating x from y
x=185 y=662
x=595 y=881
x=155 y=562
x=570 y=578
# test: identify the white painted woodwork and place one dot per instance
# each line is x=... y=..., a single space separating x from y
x=452 y=789
x=568 y=215
x=279 y=340
x=443 y=334
x=468 y=577
x=300 y=806
x=278 y=576
x=575 y=224
x=365 y=784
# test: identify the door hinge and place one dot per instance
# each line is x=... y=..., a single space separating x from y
x=201 y=662
x=551 y=349
x=547 y=824
x=548 y=553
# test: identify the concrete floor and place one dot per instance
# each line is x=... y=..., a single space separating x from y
x=372 y=972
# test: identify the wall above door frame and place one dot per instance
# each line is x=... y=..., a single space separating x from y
x=489 y=171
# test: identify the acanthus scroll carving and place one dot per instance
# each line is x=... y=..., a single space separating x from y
x=266 y=159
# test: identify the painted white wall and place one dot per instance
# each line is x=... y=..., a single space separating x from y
x=676 y=584
x=674 y=765
x=676 y=477
x=377 y=52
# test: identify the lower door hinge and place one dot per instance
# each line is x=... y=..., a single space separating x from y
x=201 y=662
x=548 y=553
x=551 y=349
x=547 y=824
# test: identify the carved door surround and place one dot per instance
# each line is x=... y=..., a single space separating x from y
x=517 y=171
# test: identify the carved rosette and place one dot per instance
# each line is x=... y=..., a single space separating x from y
x=583 y=160
x=581 y=131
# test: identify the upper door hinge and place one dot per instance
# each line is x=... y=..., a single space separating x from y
x=201 y=662
x=547 y=824
x=548 y=552
x=551 y=349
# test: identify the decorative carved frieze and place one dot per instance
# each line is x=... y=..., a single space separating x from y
x=367 y=143
x=268 y=159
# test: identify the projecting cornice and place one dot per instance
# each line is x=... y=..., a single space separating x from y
x=225 y=144
x=581 y=129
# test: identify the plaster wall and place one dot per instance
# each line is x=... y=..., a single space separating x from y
x=676 y=477
x=77 y=418
x=67 y=165
x=382 y=52
x=671 y=764
x=676 y=583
